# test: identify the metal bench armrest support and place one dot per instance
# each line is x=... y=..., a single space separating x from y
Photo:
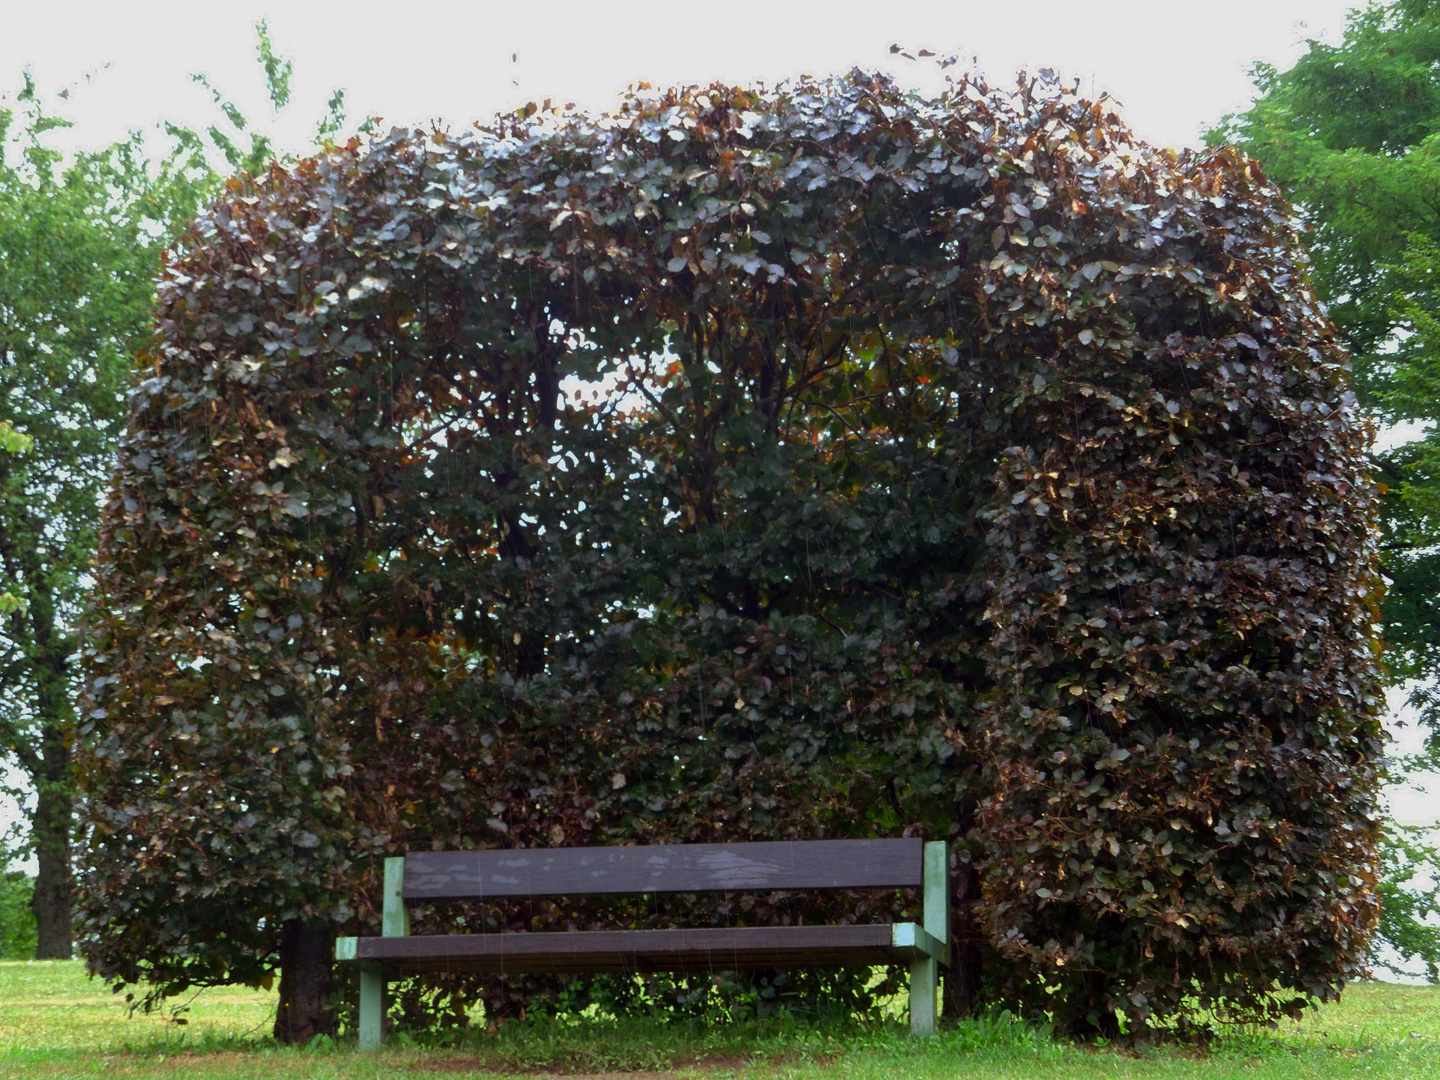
x=932 y=938
x=395 y=922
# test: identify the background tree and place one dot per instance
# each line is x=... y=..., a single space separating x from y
x=80 y=239
x=1353 y=131
x=823 y=460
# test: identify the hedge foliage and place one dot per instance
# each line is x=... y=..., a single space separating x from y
x=827 y=460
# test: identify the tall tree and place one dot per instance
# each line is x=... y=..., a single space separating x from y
x=1353 y=130
x=80 y=246
x=80 y=243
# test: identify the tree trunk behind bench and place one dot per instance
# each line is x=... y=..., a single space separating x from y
x=307 y=953
x=963 y=976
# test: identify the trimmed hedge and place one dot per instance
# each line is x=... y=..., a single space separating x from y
x=821 y=461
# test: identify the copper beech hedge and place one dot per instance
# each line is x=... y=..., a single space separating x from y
x=825 y=460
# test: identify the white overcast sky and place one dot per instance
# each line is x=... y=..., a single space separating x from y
x=1175 y=68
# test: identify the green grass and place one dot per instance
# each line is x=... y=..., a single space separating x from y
x=55 y=1023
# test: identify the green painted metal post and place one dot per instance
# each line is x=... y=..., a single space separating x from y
x=935 y=920
x=395 y=918
x=923 y=986
x=372 y=1007
x=395 y=922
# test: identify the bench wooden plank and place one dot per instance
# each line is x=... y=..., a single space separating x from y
x=586 y=951
x=670 y=868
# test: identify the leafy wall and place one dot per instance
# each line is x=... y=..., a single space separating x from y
x=820 y=461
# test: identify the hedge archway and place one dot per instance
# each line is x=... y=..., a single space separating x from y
x=824 y=460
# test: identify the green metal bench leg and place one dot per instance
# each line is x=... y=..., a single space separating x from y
x=924 y=979
x=395 y=922
x=372 y=1007
x=925 y=971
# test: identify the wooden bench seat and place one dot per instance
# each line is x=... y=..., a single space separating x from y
x=669 y=868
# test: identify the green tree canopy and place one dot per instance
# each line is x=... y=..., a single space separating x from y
x=80 y=247
x=81 y=244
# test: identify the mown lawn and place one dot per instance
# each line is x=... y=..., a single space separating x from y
x=54 y=1022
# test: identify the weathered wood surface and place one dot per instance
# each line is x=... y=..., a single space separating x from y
x=671 y=868
x=706 y=950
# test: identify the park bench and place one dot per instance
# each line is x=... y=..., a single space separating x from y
x=668 y=868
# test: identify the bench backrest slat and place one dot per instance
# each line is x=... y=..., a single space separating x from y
x=671 y=868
